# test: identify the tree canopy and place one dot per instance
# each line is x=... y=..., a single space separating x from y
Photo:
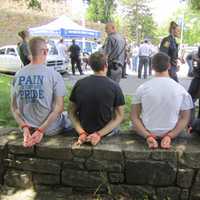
x=138 y=20
x=35 y=4
x=195 y=4
x=192 y=27
x=101 y=10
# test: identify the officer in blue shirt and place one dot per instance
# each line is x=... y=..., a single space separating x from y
x=170 y=47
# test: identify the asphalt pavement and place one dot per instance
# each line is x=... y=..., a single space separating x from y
x=130 y=84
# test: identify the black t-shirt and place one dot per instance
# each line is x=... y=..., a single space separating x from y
x=74 y=50
x=96 y=98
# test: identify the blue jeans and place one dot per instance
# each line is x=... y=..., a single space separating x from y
x=143 y=61
x=190 y=68
x=135 y=63
x=172 y=73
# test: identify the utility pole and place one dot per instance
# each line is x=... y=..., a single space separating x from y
x=183 y=21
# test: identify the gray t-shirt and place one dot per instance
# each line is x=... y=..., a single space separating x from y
x=35 y=88
x=161 y=99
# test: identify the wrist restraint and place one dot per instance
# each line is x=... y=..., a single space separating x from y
x=83 y=133
x=41 y=130
x=151 y=135
x=24 y=126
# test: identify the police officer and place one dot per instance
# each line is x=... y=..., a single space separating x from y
x=74 y=50
x=194 y=89
x=24 y=53
x=170 y=47
x=114 y=48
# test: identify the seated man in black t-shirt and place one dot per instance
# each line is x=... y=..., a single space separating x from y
x=96 y=103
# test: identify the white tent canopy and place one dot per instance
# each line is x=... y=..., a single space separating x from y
x=64 y=27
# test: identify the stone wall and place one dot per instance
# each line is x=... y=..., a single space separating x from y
x=120 y=164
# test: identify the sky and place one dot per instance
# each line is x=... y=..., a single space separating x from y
x=163 y=9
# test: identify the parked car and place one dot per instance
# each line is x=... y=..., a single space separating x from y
x=10 y=60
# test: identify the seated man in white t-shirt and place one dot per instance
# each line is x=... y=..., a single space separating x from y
x=161 y=106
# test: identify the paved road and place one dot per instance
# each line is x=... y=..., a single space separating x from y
x=128 y=85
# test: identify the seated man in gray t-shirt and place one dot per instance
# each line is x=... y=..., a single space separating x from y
x=161 y=106
x=38 y=96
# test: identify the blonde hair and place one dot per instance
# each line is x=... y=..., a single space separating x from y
x=35 y=45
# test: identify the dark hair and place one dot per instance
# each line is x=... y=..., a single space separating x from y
x=172 y=26
x=160 y=62
x=97 y=61
x=23 y=34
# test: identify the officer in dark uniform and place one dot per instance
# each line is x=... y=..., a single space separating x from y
x=194 y=89
x=24 y=53
x=170 y=47
x=74 y=50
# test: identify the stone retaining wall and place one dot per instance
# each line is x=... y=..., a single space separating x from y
x=120 y=164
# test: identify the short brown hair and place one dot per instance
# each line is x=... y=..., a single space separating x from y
x=97 y=61
x=172 y=26
x=23 y=34
x=35 y=45
x=160 y=62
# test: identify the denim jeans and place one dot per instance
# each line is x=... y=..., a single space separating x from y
x=172 y=73
x=143 y=61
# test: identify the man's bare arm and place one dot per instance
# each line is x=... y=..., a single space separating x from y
x=15 y=112
x=73 y=117
x=181 y=124
x=135 y=116
x=58 y=109
x=115 y=122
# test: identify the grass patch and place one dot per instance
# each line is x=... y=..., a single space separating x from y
x=6 y=118
x=66 y=99
x=125 y=125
